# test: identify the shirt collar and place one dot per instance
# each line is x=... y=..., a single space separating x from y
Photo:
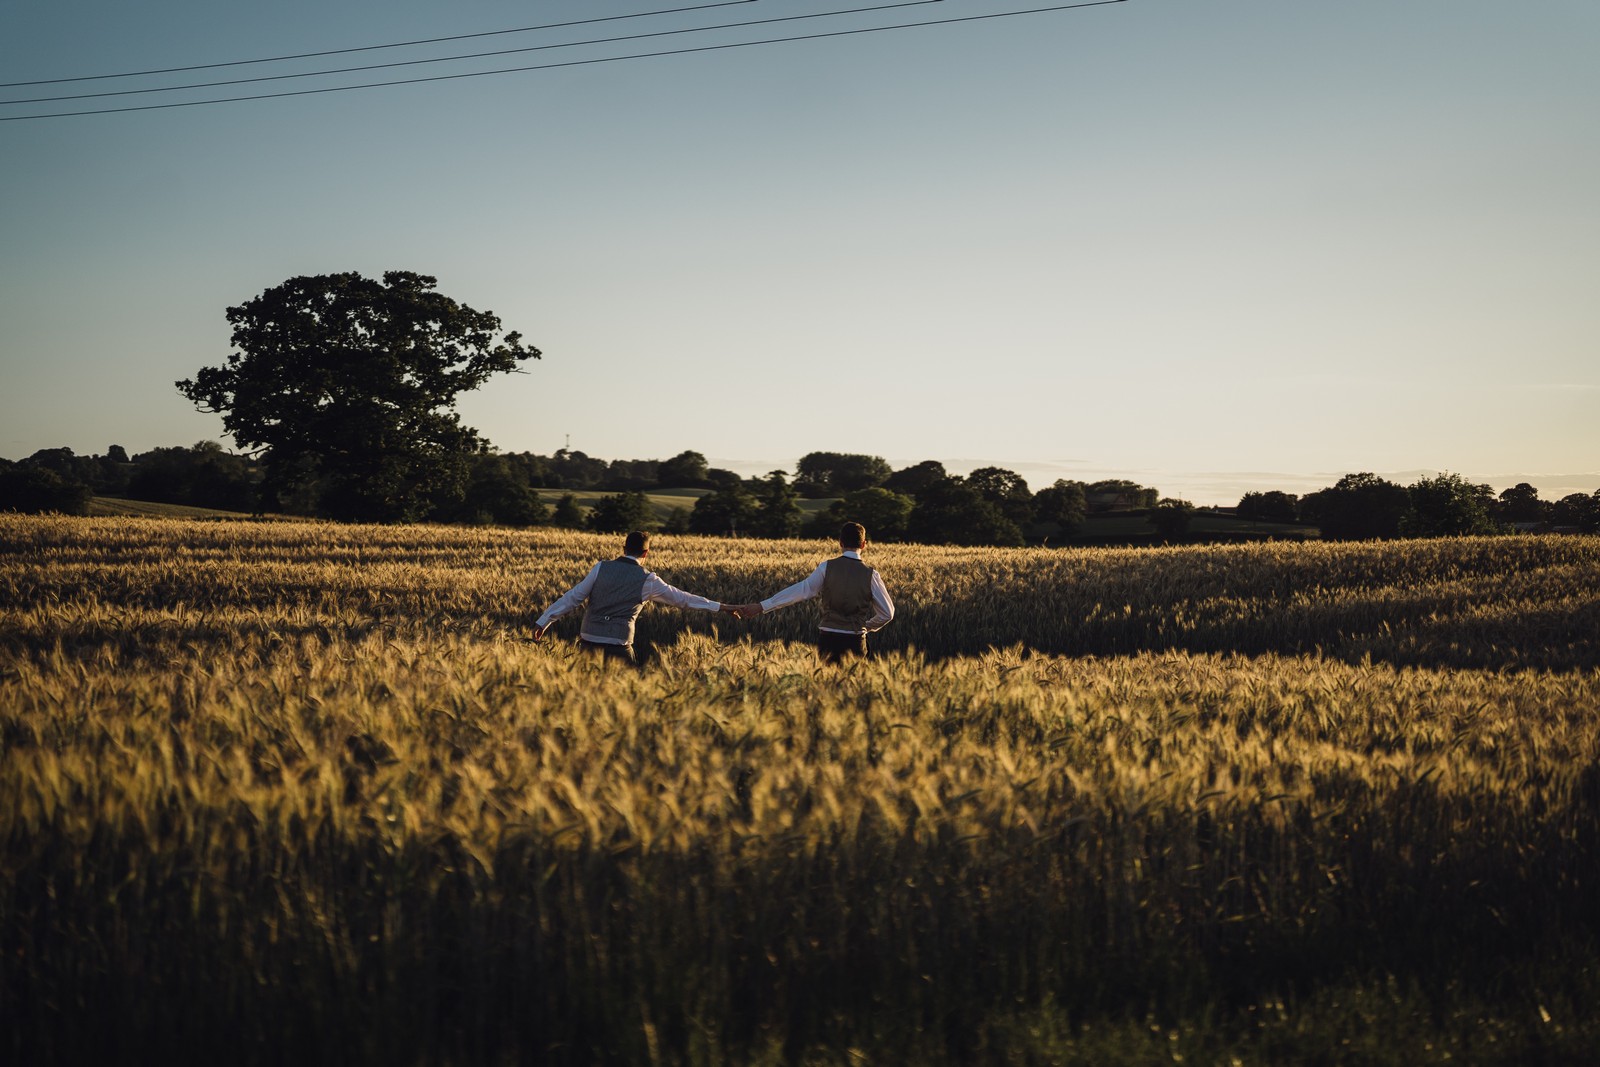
x=853 y=553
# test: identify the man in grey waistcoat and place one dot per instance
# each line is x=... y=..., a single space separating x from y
x=854 y=599
x=617 y=591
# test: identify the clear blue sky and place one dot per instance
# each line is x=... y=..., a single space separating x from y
x=1210 y=246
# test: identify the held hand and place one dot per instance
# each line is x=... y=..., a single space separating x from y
x=747 y=611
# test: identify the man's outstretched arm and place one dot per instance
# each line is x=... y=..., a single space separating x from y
x=567 y=603
x=659 y=592
x=805 y=589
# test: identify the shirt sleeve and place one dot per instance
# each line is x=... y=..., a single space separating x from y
x=808 y=587
x=657 y=591
x=882 y=605
x=570 y=600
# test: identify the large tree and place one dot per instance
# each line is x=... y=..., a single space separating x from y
x=346 y=386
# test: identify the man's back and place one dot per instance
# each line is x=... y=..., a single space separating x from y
x=853 y=597
x=616 y=600
x=846 y=594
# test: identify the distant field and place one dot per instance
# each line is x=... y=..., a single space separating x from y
x=1114 y=527
x=663 y=500
x=1129 y=528
x=113 y=506
x=1135 y=527
x=1209 y=522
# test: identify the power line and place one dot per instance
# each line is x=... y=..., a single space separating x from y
x=471 y=55
x=374 y=47
x=567 y=63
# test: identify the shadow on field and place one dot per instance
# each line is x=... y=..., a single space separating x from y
x=1559 y=637
x=1464 y=603
x=1562 y=637
x=1507 y=603
x=579 y=956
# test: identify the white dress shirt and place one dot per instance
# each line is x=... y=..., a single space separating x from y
x=655 y=590
x=811 y=586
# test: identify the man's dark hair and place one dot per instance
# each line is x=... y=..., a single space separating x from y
x=637 y=544
x=852 y=535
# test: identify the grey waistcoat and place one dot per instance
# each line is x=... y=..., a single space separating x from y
x=846 y=595
x=616 y=600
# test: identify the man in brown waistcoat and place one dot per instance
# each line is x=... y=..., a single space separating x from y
x=617 y=591
x=854 y=599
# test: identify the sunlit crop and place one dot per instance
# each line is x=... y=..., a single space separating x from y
x=306 y=790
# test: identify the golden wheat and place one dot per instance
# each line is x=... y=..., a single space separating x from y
x=1487 y=602
x=247 y=768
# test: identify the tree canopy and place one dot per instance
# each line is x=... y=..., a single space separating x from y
x=345 y=386
x=1578 y=509
x=1449 y=506
x=917 y=478
x=882 y=511
x=686 y=470
x=953 y=512
x=922 y=502
x=1358 y=507
x=822 y=474
x=1171 y=518
x=1059 y=508
x=780 y=514
x=621 y=513
x=1521 y=503
x=1006 y=490
x=1271 y=506
x=40 y=489
x=725 y=511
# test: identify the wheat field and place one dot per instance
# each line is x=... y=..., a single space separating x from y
x=293 y=791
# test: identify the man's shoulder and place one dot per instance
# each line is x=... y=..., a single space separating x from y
x=622 y=567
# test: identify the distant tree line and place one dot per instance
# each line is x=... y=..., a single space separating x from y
x=922 y=502
x=1364 y=506
x=342 y=391
x=57 y=479
x=990 y=506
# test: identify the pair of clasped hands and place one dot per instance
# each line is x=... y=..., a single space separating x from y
x=738 y=611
